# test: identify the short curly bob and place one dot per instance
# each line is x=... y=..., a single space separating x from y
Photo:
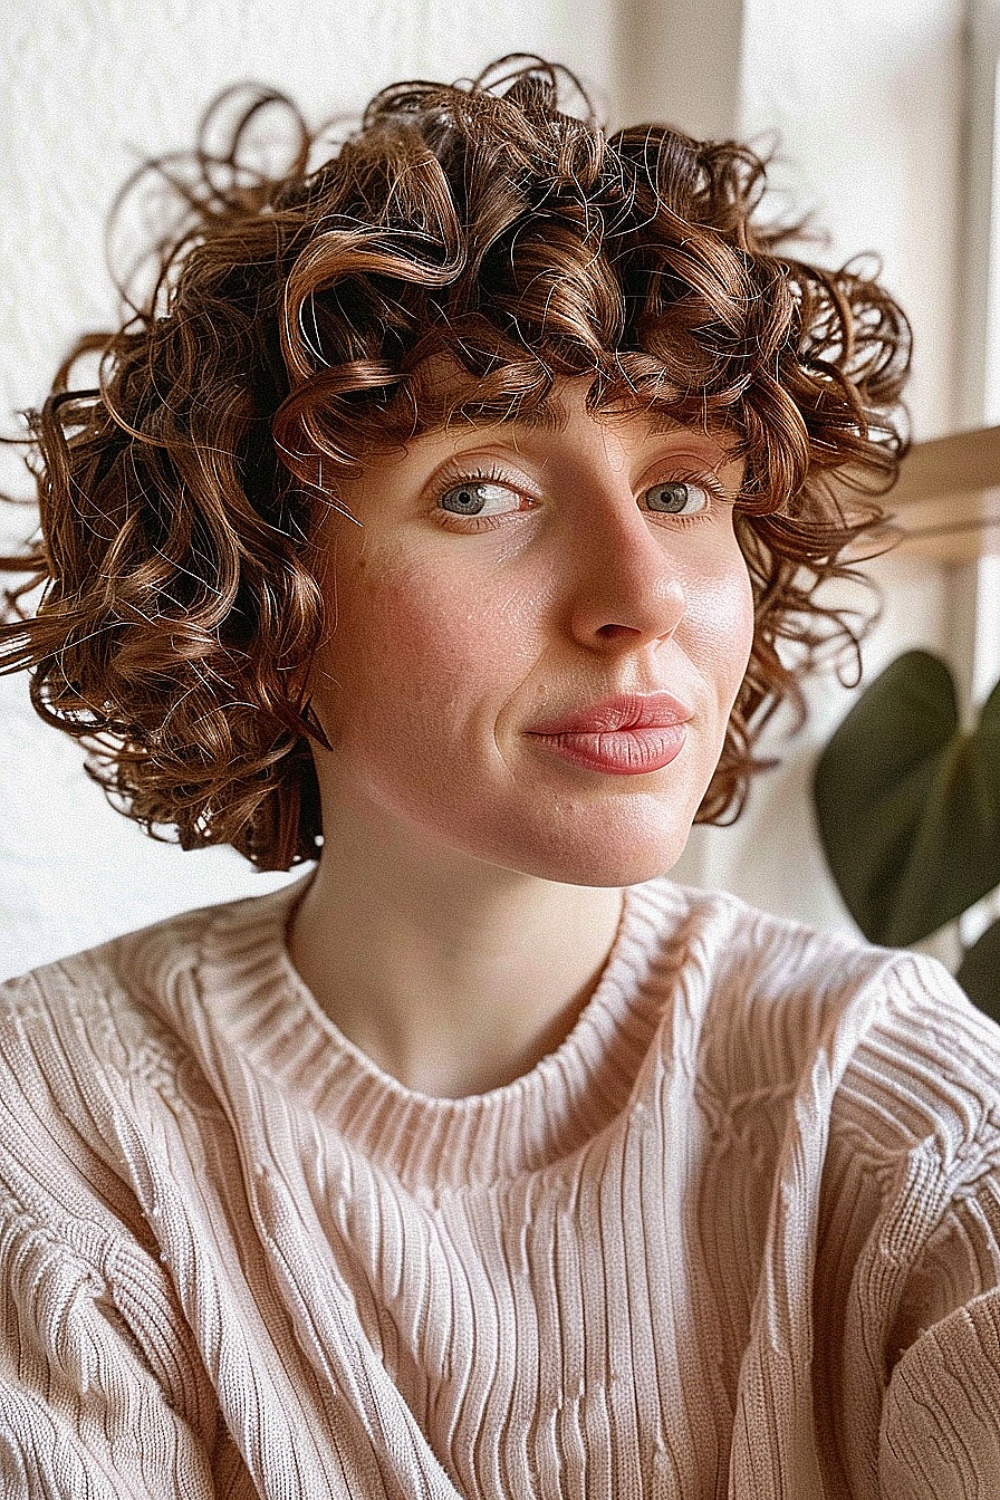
x=288 y=336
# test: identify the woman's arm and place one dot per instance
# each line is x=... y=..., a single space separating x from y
x=941 y=1422
x=102 y=1393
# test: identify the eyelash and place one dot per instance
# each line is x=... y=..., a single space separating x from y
x=452 y=477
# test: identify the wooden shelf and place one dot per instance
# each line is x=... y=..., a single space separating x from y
x=947 y=501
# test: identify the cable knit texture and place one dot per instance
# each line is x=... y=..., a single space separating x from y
x=739 y=1235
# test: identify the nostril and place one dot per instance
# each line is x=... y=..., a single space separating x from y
x=612 y=632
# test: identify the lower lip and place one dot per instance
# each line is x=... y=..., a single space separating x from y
x=620 y=752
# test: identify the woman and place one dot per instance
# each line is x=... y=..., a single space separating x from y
x=439 y=518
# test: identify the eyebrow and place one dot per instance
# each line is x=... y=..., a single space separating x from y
x=541 y=418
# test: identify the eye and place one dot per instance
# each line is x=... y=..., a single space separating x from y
x=678 y=498
x=479 y=497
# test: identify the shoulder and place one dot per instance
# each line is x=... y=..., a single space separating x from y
x=140 y=966
x=75 y=1015
x=886 y=1036
x=79 y=1036
x=732 y=942
x=869 y=1086
x=733 y=952
x=106 y=1105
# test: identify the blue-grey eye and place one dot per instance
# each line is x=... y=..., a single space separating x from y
x=478 y=497
x=678 y=498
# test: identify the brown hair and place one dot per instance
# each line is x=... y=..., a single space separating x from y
x=287 y=336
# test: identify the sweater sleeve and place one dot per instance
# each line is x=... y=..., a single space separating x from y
x=101 y=1395
x=81 y=1411
x=940 y=1427
x=941 y=1421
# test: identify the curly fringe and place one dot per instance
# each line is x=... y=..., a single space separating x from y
x=291 y=330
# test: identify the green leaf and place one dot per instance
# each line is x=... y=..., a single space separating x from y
x=908 y=804
x=979 y=975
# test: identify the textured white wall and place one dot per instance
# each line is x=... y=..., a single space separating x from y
x=866 y=100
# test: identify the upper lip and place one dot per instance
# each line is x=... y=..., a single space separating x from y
x=621 y=712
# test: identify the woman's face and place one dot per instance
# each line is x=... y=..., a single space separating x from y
x=537 y=634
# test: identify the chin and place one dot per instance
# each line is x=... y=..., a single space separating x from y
x=616 y=859
x=628 y=869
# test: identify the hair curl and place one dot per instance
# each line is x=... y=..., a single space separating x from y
x=288 y=335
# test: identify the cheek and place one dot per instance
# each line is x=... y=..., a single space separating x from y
x=720 y=616
x=427 y=635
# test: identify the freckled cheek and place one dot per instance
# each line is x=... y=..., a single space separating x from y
x=435 y=637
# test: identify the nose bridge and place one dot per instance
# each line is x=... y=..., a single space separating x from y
x=628 y=579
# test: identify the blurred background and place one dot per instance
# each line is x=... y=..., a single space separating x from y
x=882 y=116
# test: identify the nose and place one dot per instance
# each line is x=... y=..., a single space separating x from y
x=628 y=589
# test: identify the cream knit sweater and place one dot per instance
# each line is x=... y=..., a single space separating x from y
x=738 y=1236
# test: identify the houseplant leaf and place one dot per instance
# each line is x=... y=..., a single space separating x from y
x=979 y=975
x=908 y=803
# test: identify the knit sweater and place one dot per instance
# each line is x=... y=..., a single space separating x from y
x=739 y=1235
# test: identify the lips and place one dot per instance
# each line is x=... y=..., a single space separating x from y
x=627 y=735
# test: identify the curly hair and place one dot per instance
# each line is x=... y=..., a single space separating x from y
x=288 y=335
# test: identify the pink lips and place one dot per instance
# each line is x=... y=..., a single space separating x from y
x=628 y=735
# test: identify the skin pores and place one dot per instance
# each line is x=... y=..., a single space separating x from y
x=516 y=601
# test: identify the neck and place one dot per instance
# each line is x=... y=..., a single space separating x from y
x=454 y=976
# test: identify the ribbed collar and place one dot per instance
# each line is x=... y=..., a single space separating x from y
x=258 y=1007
